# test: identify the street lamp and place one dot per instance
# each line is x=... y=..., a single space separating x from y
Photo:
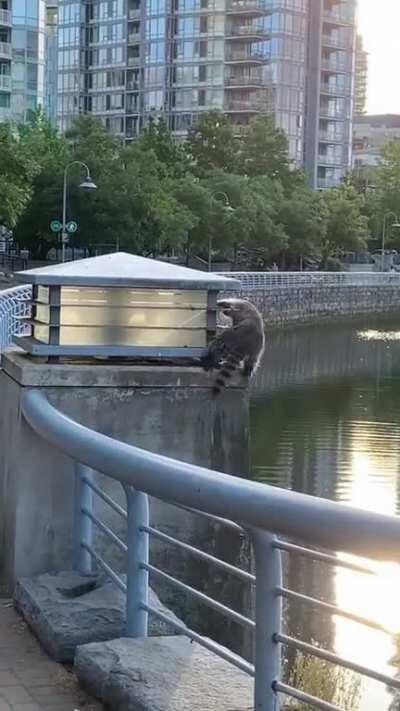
x=228 y=209
x=395 y=224
x=87 y=184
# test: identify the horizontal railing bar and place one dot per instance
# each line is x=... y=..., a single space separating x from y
x=232 y=569
x=253 y=504
x=104 y=529
x=108 y=500
x=335 y=659
x=232 y=614
x=324 y=557
x=302 y=696
x=204 y=641
x=334 y=609
x=215 y=519
x=104 y=566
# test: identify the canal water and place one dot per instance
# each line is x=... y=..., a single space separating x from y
x=325 y=420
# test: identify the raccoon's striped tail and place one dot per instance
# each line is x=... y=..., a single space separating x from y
x=228 y=368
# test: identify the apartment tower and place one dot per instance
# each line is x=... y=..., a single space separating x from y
x=127 y=60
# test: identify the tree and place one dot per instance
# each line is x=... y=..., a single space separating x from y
x=264 y=151
x=18 y=169
x=171 y=155
x=302 y=216
x=346 y=228
x=212 y=143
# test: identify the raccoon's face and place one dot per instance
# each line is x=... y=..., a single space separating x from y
x=236 y=309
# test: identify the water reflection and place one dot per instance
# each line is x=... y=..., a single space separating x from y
x=325 y=422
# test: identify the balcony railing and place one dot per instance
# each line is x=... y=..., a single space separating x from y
x=245 y=7
x=239 y=31
x=332 y=41
x=134 y=14
x=134 y=38
x=246 y=106
x=5 y=18
x=331 y=137
x=338 y=18
x=5 y=50
x=335 y=66
x=133 y=61
x=330 y=160
x=5 y=82
x=245 y=57
x=335 y=89
x=241 y=81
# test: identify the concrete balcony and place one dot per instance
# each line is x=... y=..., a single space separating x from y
x=5 y=18
x=5 y=82
x=5 y=50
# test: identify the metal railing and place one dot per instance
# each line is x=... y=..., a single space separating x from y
x=262 y=511
x=14 y=305
x=265 y=281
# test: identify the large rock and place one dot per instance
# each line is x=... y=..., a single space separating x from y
x=66 y=609
x=162 y=674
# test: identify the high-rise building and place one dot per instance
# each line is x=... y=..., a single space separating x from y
x=361 y=78
x=370 y=134
x=22 y=49
x=50 y=77
x=127 y=60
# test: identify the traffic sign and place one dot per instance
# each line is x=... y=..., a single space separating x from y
x=55 y=226
x=71 y=227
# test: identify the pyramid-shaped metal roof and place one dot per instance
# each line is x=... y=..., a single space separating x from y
x=126 y=270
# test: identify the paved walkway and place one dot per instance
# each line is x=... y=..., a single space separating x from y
x=29 y=680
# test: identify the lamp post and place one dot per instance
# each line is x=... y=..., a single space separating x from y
x=229 y=209
x=87 y=184
x=384 y=227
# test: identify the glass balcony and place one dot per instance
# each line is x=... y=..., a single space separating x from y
x=246 y=7
x=243 y=57
x=5 y=50
x=5 y=18
x=240 y=31
x=334 y=41
x=5 y=82
x=335 y=65
x=331 y=137
x=240 y=81
x=335 y=89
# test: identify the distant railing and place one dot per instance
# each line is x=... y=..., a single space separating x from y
x=264 y=281
x=13 y=262
x=262 y=511
x=14 y=306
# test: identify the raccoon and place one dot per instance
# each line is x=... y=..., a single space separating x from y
x=240 y=344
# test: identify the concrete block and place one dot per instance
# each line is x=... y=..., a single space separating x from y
x=66 y=609
x=162 y=674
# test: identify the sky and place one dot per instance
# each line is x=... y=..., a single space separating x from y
x=379 y=24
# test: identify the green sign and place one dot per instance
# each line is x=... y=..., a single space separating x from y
x=55 y=226
x=71 y=227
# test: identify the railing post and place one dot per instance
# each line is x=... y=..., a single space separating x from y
x=83 y=528
x=268 y=620
x=138 y=553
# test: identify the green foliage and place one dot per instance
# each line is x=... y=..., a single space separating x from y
x=212 y=143
x=346 y=227
x=156 y=195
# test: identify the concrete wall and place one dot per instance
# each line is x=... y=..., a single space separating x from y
x=169 y=410
x=304 y=304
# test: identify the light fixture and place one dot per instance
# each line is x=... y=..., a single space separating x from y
x=121 y=305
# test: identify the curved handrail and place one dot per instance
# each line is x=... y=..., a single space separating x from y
x=315 y=521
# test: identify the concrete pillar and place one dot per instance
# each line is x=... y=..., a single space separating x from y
x=169 y=410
